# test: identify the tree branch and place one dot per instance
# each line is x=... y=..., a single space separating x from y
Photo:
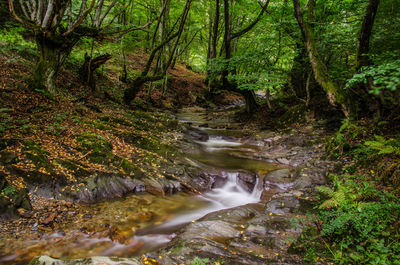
x=251 y=25
x=123 y=32
x=80 y=20
x=14 y=14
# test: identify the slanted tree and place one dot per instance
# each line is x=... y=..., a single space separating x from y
x=144 y=77
x=336 y=95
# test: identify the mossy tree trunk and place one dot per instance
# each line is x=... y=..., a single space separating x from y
x=47 y=68
x=52 y=53
x=335 y=94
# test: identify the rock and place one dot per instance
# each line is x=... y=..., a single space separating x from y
x=49 y=219
x=287 y=205
x=283 y=161
x=15 y=198
x=106 y=186
x=196 y=134
x=46 y=260
x=210 y=229
x=279 y=176
x=246 y=180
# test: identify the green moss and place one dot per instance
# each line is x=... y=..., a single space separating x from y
x=113 y=121
x=100 y=149
x=74 y=166
x=37 y=155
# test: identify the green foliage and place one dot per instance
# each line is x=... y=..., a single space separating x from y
x=358 y=224
x=5 y=120
x=385 y=76
x=199 y=261
x=11 y=38
x=8 y=190
x=335 y=197
x=383 y=146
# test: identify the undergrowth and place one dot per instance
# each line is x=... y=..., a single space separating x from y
x=357 y=217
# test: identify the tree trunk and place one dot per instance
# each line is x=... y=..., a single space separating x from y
x=267 y=98
x=86 y=72
x=251 y=103
x=137 y=85
x=365 y=34
x=228 y=46
x=335 y=94
x=47 y=68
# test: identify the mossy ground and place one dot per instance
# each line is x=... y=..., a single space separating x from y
x=64 y=142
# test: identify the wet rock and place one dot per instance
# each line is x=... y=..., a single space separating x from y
x=283 y=161
x=246 y=180
x=303 y=182
x=288 y=204
x=196 y=134
x=279 y=176
x=206 y=181
x=217 y=229
x=46 y=260
x=106 y=186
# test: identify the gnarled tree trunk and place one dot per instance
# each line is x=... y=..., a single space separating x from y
x=51 y=56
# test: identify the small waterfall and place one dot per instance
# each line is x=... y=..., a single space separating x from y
x=230 y=195
x=258 y=187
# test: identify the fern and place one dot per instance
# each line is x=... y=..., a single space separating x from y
x=339 y=196
x=383 y=146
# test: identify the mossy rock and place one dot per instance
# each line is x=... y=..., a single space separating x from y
x=74 y=166
x=149 y=142
x=115 y=120
x=100 y=149
x=156 y=122
x=12 y=198
x=37 y=155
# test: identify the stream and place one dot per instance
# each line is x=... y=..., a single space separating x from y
x=142 y=223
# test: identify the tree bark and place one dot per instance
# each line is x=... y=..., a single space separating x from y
x=46 y=68
x=335 y=94
x=365 y=34
x=86 y=72
x=52 y=54
x=251 y=103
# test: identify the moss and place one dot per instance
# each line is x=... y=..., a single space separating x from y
x=37 y=155
x=112 y=121
x=74 y=166
x=100 y=149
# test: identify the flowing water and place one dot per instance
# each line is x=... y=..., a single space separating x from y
x=141 y=223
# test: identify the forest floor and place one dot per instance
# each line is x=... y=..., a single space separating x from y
x=56 y=156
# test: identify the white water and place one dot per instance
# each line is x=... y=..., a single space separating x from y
x=228 y=196
x=218 y=141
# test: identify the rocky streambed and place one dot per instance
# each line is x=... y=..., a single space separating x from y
x=250 y=191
